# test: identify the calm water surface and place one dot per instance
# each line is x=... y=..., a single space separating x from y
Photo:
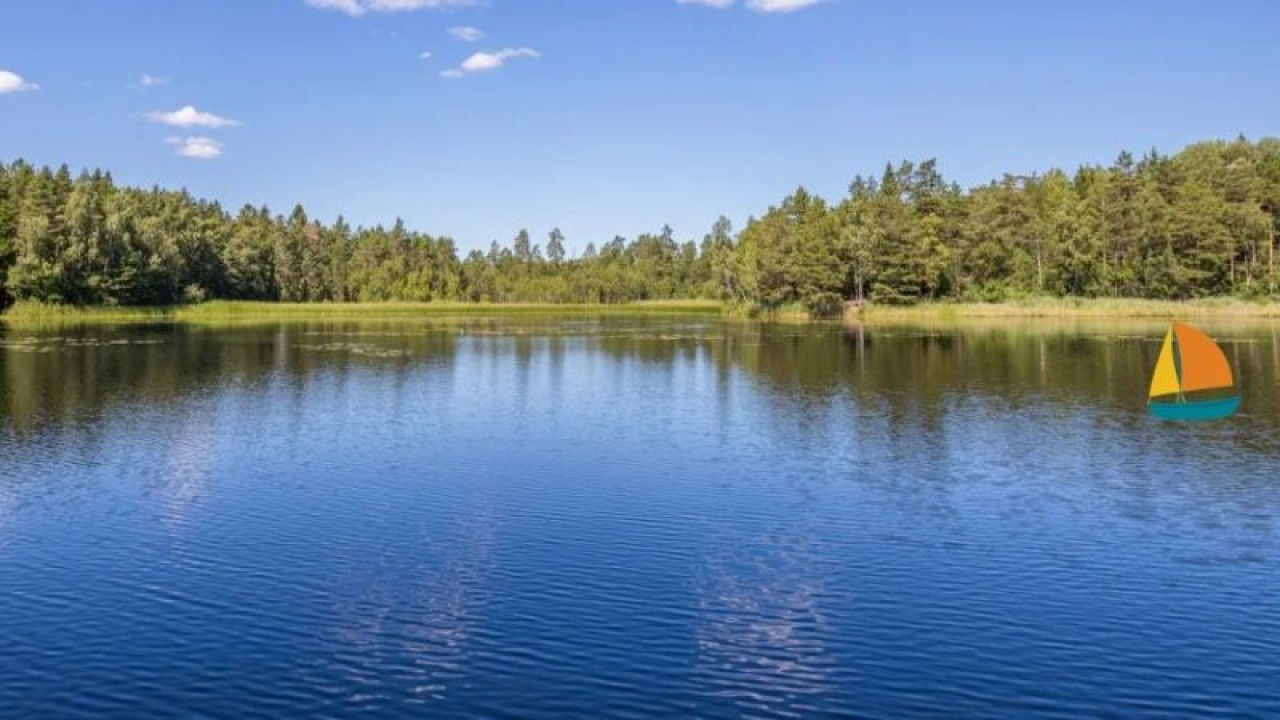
x=631 y=517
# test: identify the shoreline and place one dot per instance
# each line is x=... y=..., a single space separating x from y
x=1072 y=308
x=256 y=311
x=934 y=312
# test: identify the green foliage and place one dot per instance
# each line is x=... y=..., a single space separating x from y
x=1201 y=223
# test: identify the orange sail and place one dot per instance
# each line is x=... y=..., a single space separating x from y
x=1204 y=366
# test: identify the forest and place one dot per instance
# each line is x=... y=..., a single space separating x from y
x=1196 y=224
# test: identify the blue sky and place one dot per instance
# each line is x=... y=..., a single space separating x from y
x=609 y=117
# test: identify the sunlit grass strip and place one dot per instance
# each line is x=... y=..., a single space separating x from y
x=34 y=313
x=229 y=311
x=267 y=310
x=1068 y=308
x=29 y=312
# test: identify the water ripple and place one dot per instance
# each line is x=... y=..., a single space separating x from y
x=628 y=518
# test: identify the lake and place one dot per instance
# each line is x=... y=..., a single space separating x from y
x=632 y=516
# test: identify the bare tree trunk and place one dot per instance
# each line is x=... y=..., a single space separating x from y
x=1271 y=258
x=1253 y=260
x=1039 y=269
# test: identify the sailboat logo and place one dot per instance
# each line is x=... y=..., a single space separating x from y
x=1192 y=379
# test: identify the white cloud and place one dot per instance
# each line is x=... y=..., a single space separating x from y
x=350 y=7
x=466 y=34
x=190 y=117
x=358 y=8
x=152 y=80
x=13 y=82
x=780 y=6
x=425 y=55
x=485 y=61
x=772 y=7
x=389 y=6
x=199 y=148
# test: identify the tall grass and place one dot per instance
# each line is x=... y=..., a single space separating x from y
x=33 y=313
x=220 y=310
x=1069 y=308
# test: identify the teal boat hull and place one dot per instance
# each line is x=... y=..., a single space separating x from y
x=1195 y=409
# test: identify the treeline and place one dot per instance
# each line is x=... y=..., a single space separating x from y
x=1199 y=223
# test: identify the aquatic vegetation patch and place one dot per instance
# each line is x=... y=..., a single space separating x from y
x=50 y=344
x=363 y=350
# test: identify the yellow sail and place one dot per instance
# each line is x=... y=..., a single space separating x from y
x=1164 y=381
